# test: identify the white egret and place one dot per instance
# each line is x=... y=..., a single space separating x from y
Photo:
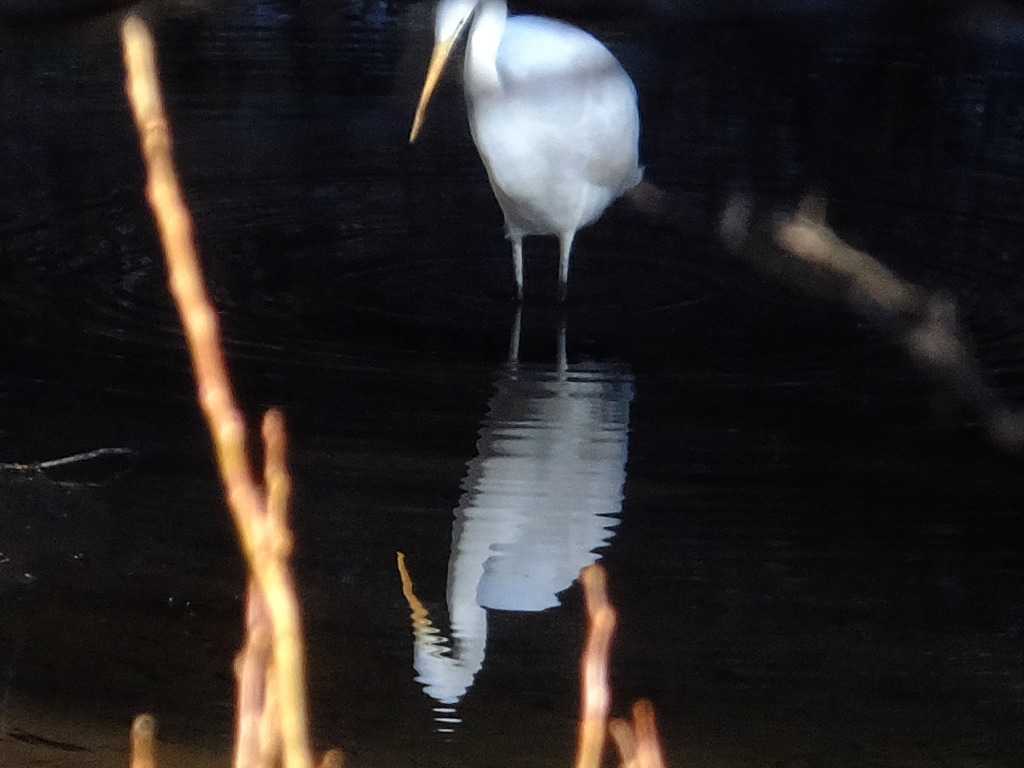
x=553 y=115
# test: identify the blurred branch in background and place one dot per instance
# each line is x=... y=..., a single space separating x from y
x=801 y=250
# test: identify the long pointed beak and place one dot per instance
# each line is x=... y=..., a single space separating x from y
x=437 y=61
x=417 y=611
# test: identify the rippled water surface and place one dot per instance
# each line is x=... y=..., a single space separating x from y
x=815 y=549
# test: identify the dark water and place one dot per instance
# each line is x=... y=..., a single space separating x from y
x=815 y=550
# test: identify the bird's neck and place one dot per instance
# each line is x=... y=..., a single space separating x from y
x=484 y=39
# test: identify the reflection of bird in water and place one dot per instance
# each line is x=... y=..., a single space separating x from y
x=552 y=113
x=539 y=498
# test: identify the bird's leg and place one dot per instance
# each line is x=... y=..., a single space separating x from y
x=563 y=357
x=517 y=264
x=513 y=342
x=565 y=245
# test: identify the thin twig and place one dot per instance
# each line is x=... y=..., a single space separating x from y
x=596 y=690
x=648 y=745
x=198 y=317
x=276 y=480
x=143 y=742
x=624 y=737
x=251 y=671
x=279 y=589
x=264 y=539
x=74 y=458
x=333 y=758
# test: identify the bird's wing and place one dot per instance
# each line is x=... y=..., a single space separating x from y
x=573 y=85
x=534 y=46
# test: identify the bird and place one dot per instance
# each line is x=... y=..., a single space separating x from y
x=552 y=113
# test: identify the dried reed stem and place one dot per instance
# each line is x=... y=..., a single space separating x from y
x=259 y=519
x=332 y=758
x=271 y=570
x=143 y=742
x=624 y=737
x=648 y=745
x=637 y=740
x=252 y=667
x=596 y=690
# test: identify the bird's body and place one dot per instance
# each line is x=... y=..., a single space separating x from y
x=553 y=115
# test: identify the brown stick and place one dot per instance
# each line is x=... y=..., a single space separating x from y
x=637 y=741
x=622 y=734
x=648 y=745
x=252 y=667
x=143 y=741
x=333 y=758
x=264 y=538
x=275 y=578
x=596 y=690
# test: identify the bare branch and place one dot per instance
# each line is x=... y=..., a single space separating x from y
x=259 y=518
x=143 y=742
x=804 y=252
x=596 y=696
